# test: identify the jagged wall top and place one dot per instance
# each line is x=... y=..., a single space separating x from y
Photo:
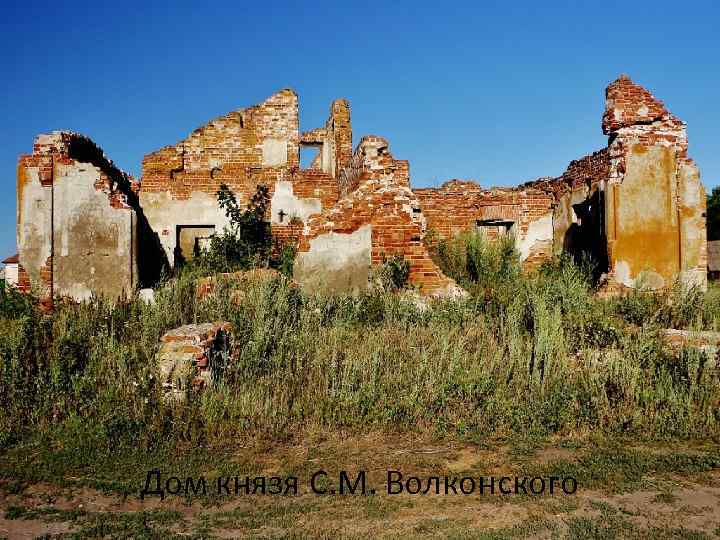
x=628 y=104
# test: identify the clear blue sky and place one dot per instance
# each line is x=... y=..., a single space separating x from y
x=499 y=92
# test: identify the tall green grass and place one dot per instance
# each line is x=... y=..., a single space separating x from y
x=524 y=353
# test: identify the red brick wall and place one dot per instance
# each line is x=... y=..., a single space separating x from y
x=286 y=234
x=628 y=104
x=457 y=205
x=227 y=150
x=386 y=202
x=341 y=128
x=588 y=171
x=313 y=183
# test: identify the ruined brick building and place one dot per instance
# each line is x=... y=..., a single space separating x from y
x=84 y=226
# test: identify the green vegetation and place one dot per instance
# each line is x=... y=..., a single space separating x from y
x=525 y=353
x=533 y=352
x=146 y=524
x=246 y=243
x=393 y=274
x=713 y=214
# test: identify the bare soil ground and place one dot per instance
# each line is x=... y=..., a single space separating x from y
x=624 y=491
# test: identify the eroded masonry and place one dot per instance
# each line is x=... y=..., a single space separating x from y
x=637 y=206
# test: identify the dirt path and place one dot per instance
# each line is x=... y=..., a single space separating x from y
x=676 y=497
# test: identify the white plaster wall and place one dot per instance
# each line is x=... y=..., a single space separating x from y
x=328 y=163
x=11 y=274
x=284 y=199
x=693 y=234
x=34 y=229
x=164 y=214
x=93 y=242
x=274 y=152
x=540 y=230
x=336 y=262
x=646 y=248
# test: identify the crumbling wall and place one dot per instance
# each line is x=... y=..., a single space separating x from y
x=77 y=232
x=334 y=141
x=193 y=357
x=525 y=213
x=637 y=207
x=379 y=219
x=655 y=202
x=242 y=149
x=578 y=201
x=248 y=147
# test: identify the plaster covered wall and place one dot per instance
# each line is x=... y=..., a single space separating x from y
x=538 y=238
x=11 y=274
x=336 y=262
x=76 y=230
x=34 y=224
x=93 y=242
x=655 y=202
x=286 y=206
x=166 y=213
x=645 y=231
x=692 y=210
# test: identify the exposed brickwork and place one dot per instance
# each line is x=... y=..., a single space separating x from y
x=372 y=160
x=229 y=150
x=634 y=116
x=189 y=354
x=457 y=206
x=246 y=148
x=341 y=128
x=586 y=172
x=629 y=104
x=315 y=184
x=385 y=201
x=598 y=205
x=287 y=235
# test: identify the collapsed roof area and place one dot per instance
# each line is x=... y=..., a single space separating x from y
x=637 y=206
